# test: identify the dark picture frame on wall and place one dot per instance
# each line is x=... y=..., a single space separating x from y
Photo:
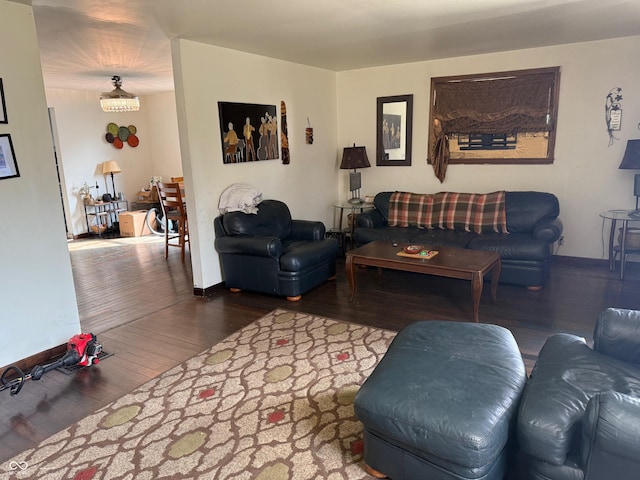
x=3 y=105
x=8 y=162
x=248 y=132
x=394 y=126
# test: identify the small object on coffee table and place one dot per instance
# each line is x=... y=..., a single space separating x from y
x=417 y=251
x=413 y=249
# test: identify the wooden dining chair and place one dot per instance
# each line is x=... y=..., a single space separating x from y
x=174 y=208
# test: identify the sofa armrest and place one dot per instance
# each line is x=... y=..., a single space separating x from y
x=370 y=219
x=255 y=246
x=307 y=230
x=617 y=334
x=611 y=436
x=549 y=231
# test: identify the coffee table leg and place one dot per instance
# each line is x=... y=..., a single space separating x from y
x=351 y=275
x=495 y=278
x=476 y=285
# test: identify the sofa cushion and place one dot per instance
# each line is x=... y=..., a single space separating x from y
x=515 y=246
x=299 y=255
x=555 y=399
x=443 y=238
x=526 y=209
x=366 y=235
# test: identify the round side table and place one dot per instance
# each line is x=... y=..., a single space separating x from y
x=624 y=216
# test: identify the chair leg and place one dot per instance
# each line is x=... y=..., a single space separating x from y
x=166 y=239
x=297 y=298
x=181 y=240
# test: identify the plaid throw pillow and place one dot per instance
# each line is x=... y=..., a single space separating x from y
x=452 y=210
x=490 y=213
x=475 y=212
x=409 y=209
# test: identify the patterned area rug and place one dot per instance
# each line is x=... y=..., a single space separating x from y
x=274 y=401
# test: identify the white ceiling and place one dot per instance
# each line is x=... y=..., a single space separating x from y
x=84 y=42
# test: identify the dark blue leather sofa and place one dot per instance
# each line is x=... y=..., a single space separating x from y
x=579 y=415
x=526 y=251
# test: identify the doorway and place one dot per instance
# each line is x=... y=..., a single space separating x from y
x=59 y=171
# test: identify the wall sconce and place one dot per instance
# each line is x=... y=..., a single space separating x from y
x=354 y=157
x=118 y=100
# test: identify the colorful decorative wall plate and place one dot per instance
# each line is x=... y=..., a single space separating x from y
x=123 y=133
x=117 y=136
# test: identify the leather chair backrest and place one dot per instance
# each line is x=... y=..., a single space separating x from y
x=272 y=220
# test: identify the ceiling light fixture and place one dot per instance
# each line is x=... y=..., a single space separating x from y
x=118 y=100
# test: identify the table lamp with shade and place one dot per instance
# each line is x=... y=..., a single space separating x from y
x=631 y=161
x=110 y=168
x=354 y=157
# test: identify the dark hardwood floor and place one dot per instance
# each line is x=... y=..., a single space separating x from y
x=143 y=311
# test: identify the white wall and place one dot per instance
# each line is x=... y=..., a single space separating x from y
x=164 y=143
x=585 y=174
x=206 y=74
x=38 y=308
x=81 y=128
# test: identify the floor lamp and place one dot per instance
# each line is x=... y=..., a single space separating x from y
x=111 y=167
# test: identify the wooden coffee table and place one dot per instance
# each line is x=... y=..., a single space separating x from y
x=450 y=262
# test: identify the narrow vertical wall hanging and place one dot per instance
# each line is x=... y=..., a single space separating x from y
x=613 y=112
x=308 y=133
x=284 y=134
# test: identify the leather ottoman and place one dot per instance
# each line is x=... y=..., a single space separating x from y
x=441 y=403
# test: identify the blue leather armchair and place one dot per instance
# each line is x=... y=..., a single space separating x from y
x=579 y=415
x=268 y=252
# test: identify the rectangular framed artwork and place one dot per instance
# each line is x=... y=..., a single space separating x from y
x=248 y=132
x=8 y=163
x=3 y=105
x=393 y=130
x=495 y=118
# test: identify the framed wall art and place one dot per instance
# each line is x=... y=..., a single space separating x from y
x=8 y=163
x=3 y=105
x=248 y=132
x=393 y=130
x=494 y=118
